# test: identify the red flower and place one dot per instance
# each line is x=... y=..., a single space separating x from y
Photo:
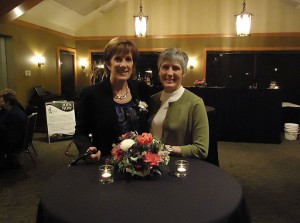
x=145 y=138
x=152 y=158
x=117 y=153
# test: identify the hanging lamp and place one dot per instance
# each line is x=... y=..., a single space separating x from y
x=243 y=22
x=140 y=23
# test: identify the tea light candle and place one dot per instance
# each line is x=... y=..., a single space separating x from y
x=181 y=169
x=106 y=174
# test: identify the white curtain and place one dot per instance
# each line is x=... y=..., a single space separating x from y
x=3 y=69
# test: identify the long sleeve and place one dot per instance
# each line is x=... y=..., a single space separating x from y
x=83 y=127
x=186 y=125
x=199 y=134
x=97 y=116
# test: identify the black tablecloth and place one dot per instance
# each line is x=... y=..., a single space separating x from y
x=213 y=155
x=290 y=115
x=244 y=115
x=206 y=194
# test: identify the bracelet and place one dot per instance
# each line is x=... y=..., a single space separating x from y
x=170 y=149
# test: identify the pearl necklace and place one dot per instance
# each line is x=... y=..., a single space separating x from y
x=123 y=96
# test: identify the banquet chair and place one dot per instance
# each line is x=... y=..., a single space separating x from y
x=31 y=109
x=30 y=132
x=31 y=121
x=27 y=141
x=212 y=156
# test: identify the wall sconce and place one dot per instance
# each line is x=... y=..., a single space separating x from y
x=40 y=60
x=192 y=63
x=83 y=63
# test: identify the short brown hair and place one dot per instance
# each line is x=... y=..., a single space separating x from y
x=9 y=98
x=119 y=45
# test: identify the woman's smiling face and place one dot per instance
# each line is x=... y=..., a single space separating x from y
x=171 y=74
x=121 y=66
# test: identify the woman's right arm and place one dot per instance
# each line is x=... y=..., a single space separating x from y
x=82 y=138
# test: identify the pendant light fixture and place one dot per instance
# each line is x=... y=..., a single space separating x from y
x=243 y=22
x=140 y=23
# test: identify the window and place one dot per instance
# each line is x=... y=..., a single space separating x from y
x=247 y=69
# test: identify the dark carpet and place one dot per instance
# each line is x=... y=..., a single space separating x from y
x=269 y=175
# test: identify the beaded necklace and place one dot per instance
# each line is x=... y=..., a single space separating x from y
x=123 y=96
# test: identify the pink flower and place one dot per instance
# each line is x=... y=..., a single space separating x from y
x=126 y=135
x=152 y=158
x=145 y=138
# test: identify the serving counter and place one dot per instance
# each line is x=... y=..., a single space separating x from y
x=244 y=115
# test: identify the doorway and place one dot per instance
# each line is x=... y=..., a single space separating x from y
x=67 y=72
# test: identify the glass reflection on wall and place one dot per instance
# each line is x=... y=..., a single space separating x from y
x=256 y=69
x=146 y=68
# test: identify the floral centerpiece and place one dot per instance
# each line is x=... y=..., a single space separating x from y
x=139 y=154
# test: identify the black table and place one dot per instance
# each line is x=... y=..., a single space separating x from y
x=206 y=194
x=243 y=115
x=213 y=155
x=290 y=113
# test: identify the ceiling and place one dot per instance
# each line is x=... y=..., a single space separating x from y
x=67 y=16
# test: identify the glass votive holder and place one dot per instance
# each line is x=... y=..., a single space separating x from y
x=181 y=168
x=106 y=174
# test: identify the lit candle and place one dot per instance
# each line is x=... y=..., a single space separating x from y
x=106 y=174
x=181 y=169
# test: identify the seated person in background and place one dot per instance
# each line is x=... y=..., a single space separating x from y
x=111 y=108
x=13 y=123
x=10 y=91
x=177 y=116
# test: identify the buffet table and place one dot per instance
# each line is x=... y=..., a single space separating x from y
x=206 y=194
x=244 y=115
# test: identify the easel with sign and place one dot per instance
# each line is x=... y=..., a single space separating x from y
x=60 y=120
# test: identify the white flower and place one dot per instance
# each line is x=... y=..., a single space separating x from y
x=126 y=144
x=143 y=106
x=164 y=156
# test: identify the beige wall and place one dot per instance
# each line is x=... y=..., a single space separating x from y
x=27 y=41
x=173 y=17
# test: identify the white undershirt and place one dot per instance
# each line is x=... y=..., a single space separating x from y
x=165 y=98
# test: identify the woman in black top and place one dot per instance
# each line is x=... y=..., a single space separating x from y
x=115 y=106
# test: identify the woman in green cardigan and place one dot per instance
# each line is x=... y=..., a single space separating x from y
x=177 y=116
